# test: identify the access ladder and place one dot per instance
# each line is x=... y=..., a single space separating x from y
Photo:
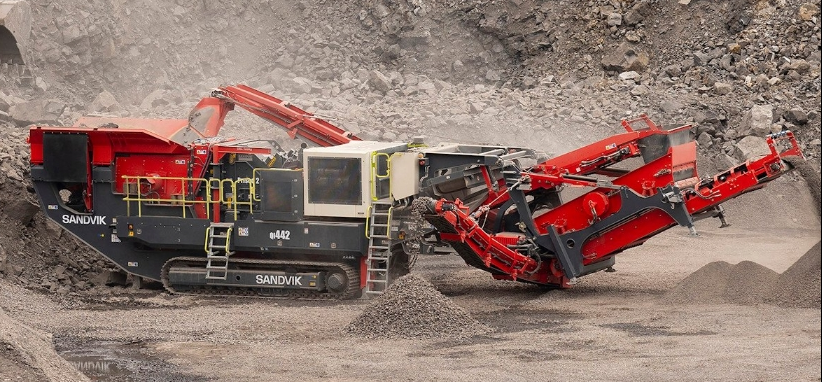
x=378 y=259
x=218 y=242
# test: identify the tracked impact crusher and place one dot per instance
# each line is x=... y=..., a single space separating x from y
x=169 y=200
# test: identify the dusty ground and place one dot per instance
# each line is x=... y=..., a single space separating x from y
x=611 y=326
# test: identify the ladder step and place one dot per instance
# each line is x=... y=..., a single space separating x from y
x=377 y=281
x=219 y=236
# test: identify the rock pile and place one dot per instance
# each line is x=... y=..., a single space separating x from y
x=749 y=283
x=799 y=286
x=412 y=308
x=29 y=355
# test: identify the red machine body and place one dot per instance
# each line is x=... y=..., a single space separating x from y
x=184 y=147
x=553 y=244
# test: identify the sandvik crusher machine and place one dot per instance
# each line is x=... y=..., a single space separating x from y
x=170 y=200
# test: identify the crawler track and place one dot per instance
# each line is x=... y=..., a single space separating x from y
x=351 y=289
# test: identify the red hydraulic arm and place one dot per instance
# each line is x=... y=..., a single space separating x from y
x=209 y=114
x=582 y=235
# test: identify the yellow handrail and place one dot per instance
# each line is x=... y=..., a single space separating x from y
x=375 y=174
x=367 y=219
x=374 y=157
x=136 y=196
x=205 y=245
x=223 y=185
x=228 y=239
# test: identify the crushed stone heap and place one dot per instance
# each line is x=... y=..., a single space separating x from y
x=749 y=283
x=811 y=177
x=799 y=286
x=412 y=308
x=705 y=286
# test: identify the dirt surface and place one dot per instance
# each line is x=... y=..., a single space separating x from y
x=739 y=303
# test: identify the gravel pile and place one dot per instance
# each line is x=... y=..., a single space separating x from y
x=706 y=285
x=749 y=283
x=412 y=308
x=811 y=177
x=799 y=286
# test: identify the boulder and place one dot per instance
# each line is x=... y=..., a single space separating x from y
x=725 y=161
x=492 y=75
x=671 y=107
x=625 y=58
x=379 y=81
x=4 y=105
x=757 y=121
x=722 y=88
x=104 y=103
x=796 y=116
x=42 y=111
x=704 y=140
x=614 y=19
x=751 y=147
x=630 y=76
x=110 y=278
x=638 y=12
x=154 y=99
x=21 y=210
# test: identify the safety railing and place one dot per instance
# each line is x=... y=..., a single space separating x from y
x=376 y=176
x=141 y=190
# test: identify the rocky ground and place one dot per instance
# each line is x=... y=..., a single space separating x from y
x=547 y=75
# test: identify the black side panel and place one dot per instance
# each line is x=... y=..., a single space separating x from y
x=280 y=195
x=656 y=146
x=653 y=147
x=65 y=157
